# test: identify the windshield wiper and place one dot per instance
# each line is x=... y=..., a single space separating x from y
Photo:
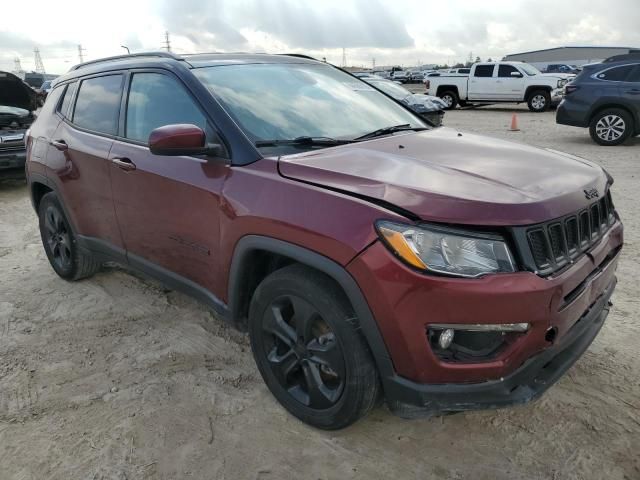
x=304 y=141
x=389 y=130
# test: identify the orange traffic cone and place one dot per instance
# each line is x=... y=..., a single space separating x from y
x=514 y=124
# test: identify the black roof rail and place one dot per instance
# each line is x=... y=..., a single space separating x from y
x=632 y=55
x=299 y=55
x=123 y=57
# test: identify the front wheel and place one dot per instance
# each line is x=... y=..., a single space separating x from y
x=539 y=101
x=450 y=98
x=305 y=341
x=611 y=127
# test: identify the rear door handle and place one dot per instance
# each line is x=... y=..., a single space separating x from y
x=124 y=163
x=59 y=145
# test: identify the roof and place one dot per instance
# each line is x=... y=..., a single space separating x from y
x=573 y=47
x=198 y=60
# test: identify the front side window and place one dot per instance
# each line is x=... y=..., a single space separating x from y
x=156 y=100
x=287 y=101
x=506 y=70
x=98 y=104
x=483 y=71
x=529 y=69
x=635 y=75
x=617 y=74
x=70 y=89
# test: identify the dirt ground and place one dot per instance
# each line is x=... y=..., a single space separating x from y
x=116 y=377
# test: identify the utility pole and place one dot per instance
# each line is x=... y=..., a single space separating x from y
x=373 y=63
x=39 y=64
x=80 y=53
x=344 y=57
x=167 y=41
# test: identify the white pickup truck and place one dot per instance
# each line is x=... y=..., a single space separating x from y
x=499 y=82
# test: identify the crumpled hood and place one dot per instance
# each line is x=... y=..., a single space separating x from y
x=442 y=175
x=15 y=93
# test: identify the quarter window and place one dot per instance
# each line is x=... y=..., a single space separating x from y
x=635 y=75
x=483 y=71
x=66 y=99
x=98 y=104
x=156 y=100
x=617 y=74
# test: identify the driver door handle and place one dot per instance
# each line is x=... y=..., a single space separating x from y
x=124 y=163
x=59 y=145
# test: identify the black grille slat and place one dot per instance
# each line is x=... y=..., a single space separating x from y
x=572 y=233
x=558 y=242
x=539 y=248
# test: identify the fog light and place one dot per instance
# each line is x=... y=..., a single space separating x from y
x=446 y=338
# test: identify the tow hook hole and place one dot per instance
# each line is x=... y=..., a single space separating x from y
x=550 y=336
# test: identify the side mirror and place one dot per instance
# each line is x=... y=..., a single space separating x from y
x=516 y=74
x=181 y=139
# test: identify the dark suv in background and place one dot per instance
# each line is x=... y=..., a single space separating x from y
x=368 y=254
x=605 y=97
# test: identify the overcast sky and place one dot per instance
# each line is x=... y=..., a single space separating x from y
x=391 y=31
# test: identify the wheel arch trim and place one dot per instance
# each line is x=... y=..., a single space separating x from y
x=252 y=243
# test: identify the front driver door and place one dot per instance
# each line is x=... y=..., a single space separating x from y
x=167 y=207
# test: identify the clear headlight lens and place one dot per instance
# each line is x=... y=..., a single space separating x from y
x=562 y=82
x=450 y=252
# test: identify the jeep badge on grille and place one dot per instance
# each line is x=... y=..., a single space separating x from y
x=591 y=193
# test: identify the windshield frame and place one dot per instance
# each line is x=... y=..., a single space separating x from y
x=251 y=138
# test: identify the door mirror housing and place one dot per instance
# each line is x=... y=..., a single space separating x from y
x=181 y=139
x=516 y=74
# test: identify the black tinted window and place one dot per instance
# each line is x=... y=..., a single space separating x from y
x=98 y=104
x=484 y=71
x=156 y=100
x=66 y=99
x=505 y=70
x=464 y=70
x=617 y=74
x=635 y=75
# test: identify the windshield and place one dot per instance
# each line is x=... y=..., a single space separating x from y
x=529 y=69
x=391 y=88
x=288 y=101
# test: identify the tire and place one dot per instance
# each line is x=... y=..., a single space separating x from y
x=611 y=127
x=450 y=98
x=539 y=101
x=60 y=244
x=306 y=344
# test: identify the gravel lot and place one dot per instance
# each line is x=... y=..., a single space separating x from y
x=116 y=377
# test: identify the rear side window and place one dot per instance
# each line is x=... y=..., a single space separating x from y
x=98 y=104
x=483 y=71
x=617 y=74
x=505 y=70
x=156 y=100
x=69 y=90
x=464 y=70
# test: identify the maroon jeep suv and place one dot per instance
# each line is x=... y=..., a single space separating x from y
x=368 y=254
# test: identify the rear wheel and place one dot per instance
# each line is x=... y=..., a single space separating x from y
x=539 y=101
x=305 y=341
x=611 y=127
x=59 y=241
x=450 y=98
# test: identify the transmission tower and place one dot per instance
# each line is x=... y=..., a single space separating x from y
x=39 y=64
x=167 y=41
x=17 y=66
x=344 y=57
x=373 y=63
x=81 y=53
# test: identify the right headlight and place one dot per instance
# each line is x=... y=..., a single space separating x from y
x=447 y=251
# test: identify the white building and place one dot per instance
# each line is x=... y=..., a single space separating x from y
x=567 y=55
